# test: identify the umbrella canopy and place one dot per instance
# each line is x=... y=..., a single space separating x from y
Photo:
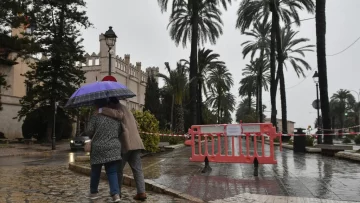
x=87 y=94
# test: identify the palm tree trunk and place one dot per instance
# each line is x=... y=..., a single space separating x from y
x=249 y=110
x=282 y=79
x=193 y=62
x=218 y=108
x=199 y=102
x=257 y=101
x=259 y=78
x=172 y=113
x=179 y=123
x=321 y=58
x=273 y=67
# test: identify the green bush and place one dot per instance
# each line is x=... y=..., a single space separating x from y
x=148 y=123
x=357 y=139
x=35 y=124
x=291 y=142
x=170 y=139
x=309 y=141
x=346 y=140
x=277 y=139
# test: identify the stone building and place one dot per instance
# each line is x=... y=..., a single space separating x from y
x=290 y=125
x=95 y=67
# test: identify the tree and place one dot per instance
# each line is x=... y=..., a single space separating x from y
x=244 y=113
x=152 y=95
x=260 y=33
x=219 y=82
x=321 y=60
x=253 y=10
x=197 y=21
x=342 y=102
x=249 y=85
x=55 y=77
x=11 y=16
x=175 y=83
x=207 y=60
x=292 y=52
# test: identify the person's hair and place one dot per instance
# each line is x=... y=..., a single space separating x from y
x=100 y=103
x=113 y=100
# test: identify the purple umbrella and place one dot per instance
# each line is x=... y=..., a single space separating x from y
x=87 y=94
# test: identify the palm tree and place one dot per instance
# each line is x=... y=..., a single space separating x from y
x=175 y=83
x=321 y=60
x=292 y=53
x=207 y=60
x=242 y=111
x=342 y=101
x=219 y=82
x=197 y=21
x=253 y=10
x=260 y=33
x=249 y=84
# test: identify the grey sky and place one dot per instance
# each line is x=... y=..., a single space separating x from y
x=141 y=31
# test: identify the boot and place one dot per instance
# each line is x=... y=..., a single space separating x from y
x=140 y=196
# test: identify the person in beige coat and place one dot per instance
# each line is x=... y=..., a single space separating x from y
x=131 y=144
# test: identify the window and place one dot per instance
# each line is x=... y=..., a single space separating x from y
x=97 y=62
x=90 y=62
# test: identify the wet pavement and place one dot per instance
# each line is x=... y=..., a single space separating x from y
x=298 y=175
x=46 y=179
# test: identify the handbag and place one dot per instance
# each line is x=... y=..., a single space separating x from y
x=87 y=147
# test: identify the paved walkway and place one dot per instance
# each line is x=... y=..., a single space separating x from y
x=47 y=183
x=298 y=175
x=24 y=149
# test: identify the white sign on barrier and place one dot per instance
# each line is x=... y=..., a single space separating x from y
x=251 y=128
x=233 y=130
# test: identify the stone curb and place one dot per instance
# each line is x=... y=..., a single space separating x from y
x=348 y=155
x=46 y=152
x=129 y=181
x=308 y=149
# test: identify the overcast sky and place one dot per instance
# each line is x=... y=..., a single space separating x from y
x=141 y=31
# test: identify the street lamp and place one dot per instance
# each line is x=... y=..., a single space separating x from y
x=316 y=80
x=110 y=38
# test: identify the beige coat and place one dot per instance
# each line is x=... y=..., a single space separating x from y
x=130 y=138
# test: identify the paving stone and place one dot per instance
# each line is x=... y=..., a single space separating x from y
x=56 y=184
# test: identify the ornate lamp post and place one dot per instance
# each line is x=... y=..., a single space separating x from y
x=316 y=80
x=110 y=38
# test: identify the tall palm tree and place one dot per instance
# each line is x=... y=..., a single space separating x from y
x=207 y=60
x=342 y=101
x=249 y=84
x=242 y=111
x=285 y=10
x=197 y=21
x=293 y=51
x=260 y=33
x=175 y=82
x=219 y=82
x=321 y=60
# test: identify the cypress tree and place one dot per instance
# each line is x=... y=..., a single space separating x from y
x=152 y=97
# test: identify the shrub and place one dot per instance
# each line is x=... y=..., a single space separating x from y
x=277 y=139
x=357 y=139
x=172 y=140
x=35 y=124
x=148 y=123
x=346 y=140
x=290 y=142
x=309 y=141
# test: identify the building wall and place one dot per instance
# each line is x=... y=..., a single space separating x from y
x=97 y=67
x=290 y=125
x=9 y=126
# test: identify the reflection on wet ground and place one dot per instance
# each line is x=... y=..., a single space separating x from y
x=301 y=175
